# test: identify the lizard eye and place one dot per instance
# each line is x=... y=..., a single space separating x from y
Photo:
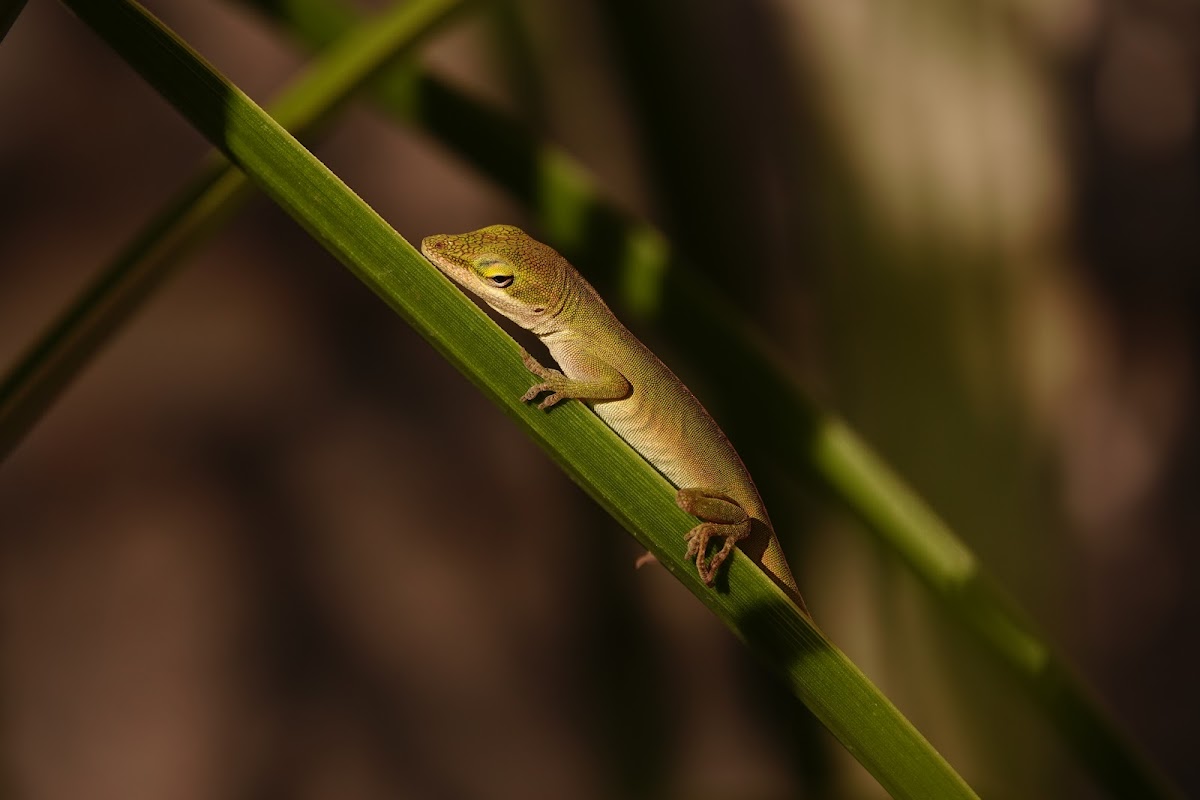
x=500 y=281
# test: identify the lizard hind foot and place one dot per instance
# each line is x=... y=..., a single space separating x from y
x=721 y=517
x=698 y=539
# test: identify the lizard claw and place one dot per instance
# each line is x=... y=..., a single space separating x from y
x=549 y=401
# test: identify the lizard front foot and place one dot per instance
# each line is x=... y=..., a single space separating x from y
x=606 y=384
x=551 y=382
x=722 y=517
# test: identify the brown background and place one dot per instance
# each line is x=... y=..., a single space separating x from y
x=271 y=545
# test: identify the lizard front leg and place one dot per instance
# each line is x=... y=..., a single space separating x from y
x=609 y=385
x=720 y=515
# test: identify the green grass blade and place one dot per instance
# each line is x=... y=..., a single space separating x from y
x=59 y=354
x=650 y=281
x=750 y=604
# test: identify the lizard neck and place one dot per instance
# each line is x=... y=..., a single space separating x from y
x=579 y=312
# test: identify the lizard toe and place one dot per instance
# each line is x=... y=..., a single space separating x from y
x=534 y=391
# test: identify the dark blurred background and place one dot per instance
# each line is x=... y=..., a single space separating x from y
x=271 y=545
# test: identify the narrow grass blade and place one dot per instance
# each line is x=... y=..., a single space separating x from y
x=68 y=345
x=753 y=607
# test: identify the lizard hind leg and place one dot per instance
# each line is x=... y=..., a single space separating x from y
x=721 y=516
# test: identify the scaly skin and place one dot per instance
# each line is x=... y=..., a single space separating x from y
x=609 y=369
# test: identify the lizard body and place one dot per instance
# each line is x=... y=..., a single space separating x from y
x=624 y=383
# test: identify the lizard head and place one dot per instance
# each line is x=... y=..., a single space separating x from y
x=513 y=273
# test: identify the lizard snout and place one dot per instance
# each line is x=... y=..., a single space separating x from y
x=433 y=243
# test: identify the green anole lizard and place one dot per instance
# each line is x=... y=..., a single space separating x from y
x=624 y=383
